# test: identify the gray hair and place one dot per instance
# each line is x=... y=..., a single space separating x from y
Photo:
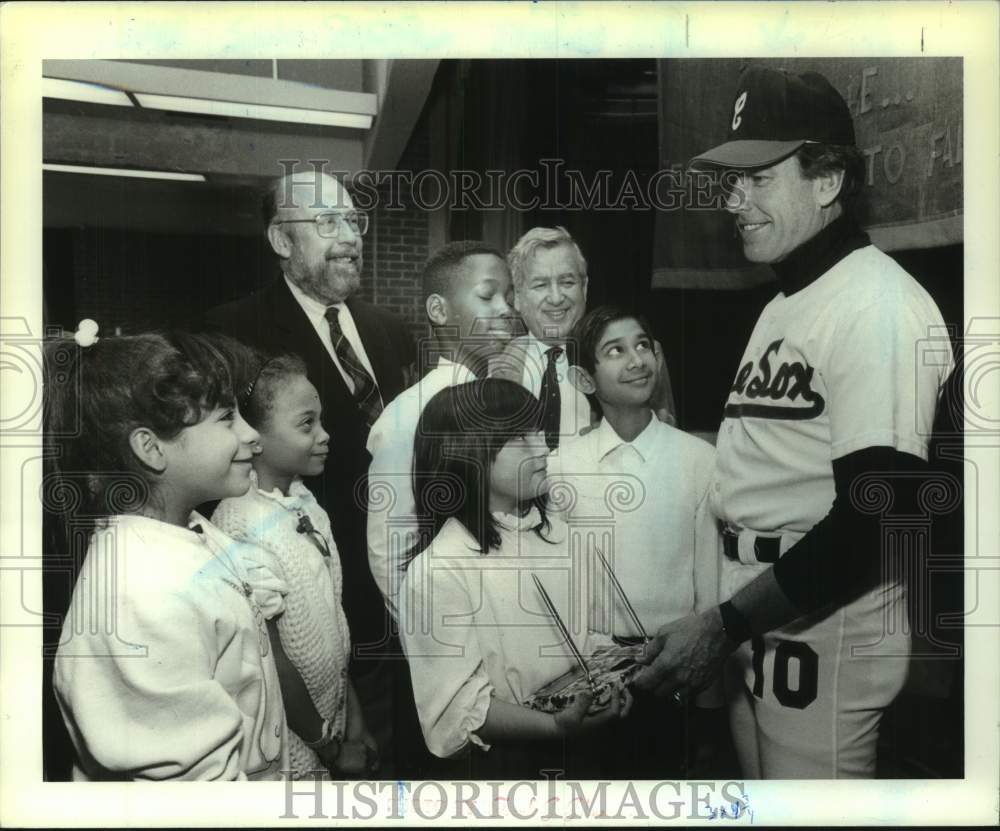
x=524 y=249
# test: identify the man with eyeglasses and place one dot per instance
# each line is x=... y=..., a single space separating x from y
x=356 y=356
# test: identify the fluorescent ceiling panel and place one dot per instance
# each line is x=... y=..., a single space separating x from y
x=82 y=91
x=98 y=94
x=233 y=109
x=124 y=171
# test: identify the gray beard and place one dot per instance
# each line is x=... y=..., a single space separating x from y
x=323 y=290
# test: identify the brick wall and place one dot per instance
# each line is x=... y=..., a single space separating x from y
x=138 y=279
x=396 y=245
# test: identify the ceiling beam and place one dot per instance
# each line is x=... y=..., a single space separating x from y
x=116 y=137
x=402 y=88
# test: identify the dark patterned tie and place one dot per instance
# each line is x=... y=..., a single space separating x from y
x=550 y=398
x=366 y=394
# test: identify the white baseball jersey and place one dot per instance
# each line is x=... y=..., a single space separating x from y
x=855 y=359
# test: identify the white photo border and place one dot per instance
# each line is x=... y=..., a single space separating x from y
x=31 y=32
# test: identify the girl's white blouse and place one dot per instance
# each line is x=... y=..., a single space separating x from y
x=164 y=669
x=474 y=626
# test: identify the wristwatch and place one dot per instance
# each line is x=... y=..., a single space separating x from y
x=734 y=624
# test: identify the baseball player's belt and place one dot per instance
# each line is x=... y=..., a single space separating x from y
x=765 y=549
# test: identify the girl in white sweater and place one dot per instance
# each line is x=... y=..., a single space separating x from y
x=478 y=637
x=164 y=670
x=293 y=561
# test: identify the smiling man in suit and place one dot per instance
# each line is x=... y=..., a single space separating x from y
x=356 y=356
x=550 y=293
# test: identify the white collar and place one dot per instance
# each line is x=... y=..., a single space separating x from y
x=512 y=522
x=541 y=348
x=644 y=444
x=298 y=493
x=461 y=374
x=311 y=305
x=138 y=522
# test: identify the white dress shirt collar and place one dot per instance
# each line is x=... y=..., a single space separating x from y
x=316 y=312
x=644 y=444
x=310 y=305
x=540 y=348
x=461 y=374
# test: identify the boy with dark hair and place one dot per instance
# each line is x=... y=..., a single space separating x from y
x=639 y=486
x=466 y=287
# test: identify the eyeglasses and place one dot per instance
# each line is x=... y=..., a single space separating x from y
x=328 y=224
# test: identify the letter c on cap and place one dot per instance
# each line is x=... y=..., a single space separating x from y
x=741 y=102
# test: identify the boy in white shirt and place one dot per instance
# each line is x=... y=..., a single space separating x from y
x=639 y=488
x=467 y=287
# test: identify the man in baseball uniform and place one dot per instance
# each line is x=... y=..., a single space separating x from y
x=830 y=411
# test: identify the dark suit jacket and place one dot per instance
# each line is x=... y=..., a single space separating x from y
x=272 y=320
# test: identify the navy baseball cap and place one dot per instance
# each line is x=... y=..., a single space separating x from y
x=774 y=113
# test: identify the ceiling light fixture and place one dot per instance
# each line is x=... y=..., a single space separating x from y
x=264 y=112
x=132 y=172
x=83 y=91
x=206 y=93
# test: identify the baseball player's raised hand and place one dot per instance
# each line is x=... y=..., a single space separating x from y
x=684 y=656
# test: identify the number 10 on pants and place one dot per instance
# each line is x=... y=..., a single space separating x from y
x=795 y=675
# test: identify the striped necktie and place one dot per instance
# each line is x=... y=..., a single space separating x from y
x=366 y=394
x=551 y=400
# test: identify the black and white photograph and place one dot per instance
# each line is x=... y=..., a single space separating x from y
x=457 y=412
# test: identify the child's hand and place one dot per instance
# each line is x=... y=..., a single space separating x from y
x=575 y=719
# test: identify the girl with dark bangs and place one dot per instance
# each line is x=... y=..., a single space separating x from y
x=164 y=670
x=478 y=637
x=459 y=437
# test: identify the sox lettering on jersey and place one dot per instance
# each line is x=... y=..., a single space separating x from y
x=791 y=381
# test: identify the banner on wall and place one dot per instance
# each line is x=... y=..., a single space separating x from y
x=908 y=122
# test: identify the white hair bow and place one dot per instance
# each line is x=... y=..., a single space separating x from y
x=86 y=332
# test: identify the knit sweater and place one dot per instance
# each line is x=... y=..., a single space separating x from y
x=290 y=538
